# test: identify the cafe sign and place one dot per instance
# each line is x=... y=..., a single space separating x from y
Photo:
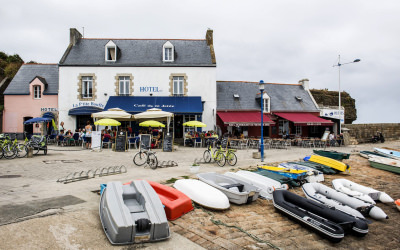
x=332 y=113
x=82 y=104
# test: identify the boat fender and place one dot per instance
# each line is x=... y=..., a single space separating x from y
x=142 y=224
x=270 y=190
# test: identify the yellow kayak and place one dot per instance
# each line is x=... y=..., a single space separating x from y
x=338 y=165
x=283 y=169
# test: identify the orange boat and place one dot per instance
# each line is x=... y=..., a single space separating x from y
x=176 y=203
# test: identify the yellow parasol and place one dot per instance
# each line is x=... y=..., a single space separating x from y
x=151 y=123
x=107 y=122
x=194 y=124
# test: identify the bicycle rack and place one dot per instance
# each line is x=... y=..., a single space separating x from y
x=85 y=175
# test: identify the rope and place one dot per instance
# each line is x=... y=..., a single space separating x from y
x=218 y=223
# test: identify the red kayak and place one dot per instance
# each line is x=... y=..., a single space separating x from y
x=176 y=203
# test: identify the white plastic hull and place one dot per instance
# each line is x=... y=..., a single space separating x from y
x=312 y=174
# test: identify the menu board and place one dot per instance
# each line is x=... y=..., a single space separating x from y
x=145 y=140
x=96 y=139
x=325 y=136
x=167 y=143
x=120 y=142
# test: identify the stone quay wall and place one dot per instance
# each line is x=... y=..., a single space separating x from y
x=364 y=132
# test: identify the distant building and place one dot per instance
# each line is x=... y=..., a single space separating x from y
x=288 y=108
x=33 y=92
x=175 y=75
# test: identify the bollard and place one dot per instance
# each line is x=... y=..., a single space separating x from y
x=30 y=152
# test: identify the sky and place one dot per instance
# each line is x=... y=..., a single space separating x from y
x=276 y=41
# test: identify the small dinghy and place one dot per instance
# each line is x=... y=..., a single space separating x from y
x=282 y=179
x=312 y=174
x=175 y=202
x=361 y=192
x=238 y=192
x=265 y=184
x=299 y=175
x=132 y=213
x=329 y=222
x=332 y=154
x=384 y=163
x=338 y=165
x=203 y=194
x=320 y=167
x=388 y=152
x=367 y=154
x=350 y=205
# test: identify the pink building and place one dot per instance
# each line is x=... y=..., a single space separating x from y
x=32 y=93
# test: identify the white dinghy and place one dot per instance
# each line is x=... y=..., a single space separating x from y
x=203 y=194
x=350 y=205
x=361 y=192
x=267 y=185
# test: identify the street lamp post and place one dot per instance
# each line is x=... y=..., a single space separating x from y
x=261 y=86
x=340 y=103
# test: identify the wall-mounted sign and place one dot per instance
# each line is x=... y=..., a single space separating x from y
x=81 y=104
x=48 y=109
x=332 y=113
x=161 y=106
x=149 y=89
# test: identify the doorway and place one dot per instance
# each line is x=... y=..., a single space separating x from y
x=28 y=128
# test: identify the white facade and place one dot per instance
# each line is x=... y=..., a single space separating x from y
x=201 y=81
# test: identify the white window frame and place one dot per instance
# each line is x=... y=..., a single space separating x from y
x=266 y=103
x=87 y=81
x=298 y=130
x=108 y=52
x=125 y=81
x=178 y=85
x=37 y=92
x=168 y=52
x=282 y=125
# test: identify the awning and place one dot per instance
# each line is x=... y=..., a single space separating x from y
x=37 y=120
x=84 y=110
x=308 y=119
x=249 y=118
x=48 y=115
x=174 y=104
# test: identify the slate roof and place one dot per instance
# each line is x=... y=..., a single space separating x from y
x=282 y=96
x=138 y=52
x=47 y=73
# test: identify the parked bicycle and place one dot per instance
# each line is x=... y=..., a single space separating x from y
x=145 y=156
x=217 y=155
x=9 y=151
x=37 y=142
x=230 y=155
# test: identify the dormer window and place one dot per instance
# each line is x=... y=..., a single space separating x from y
x=168 y=52
x=37 y=94
x=111 y=52
x=266 y=103
x=236 y=96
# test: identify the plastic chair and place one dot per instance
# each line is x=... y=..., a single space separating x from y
x=133 y=141
x=198 y=141
x=106 y=141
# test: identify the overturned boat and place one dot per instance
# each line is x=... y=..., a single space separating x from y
x=132 y=213
x=332 y=154
x=238 y=191
x=338 y=165
x=329 y=222
x=350 y=205
x=312 y=174
x=384 y=163
x=361 y=192
x=280 y=178
x=265 y=184
x=388 y=152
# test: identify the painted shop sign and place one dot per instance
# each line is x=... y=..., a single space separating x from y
x=48 y=109
x=153 y=106
x=82 y=104
x=332 y=113
x=149 y=89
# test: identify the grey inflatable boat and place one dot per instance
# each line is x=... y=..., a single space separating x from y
x=132 y=213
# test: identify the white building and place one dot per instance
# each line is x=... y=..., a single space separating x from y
x=176 y=75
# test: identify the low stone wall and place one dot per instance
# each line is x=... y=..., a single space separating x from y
x=364 y=132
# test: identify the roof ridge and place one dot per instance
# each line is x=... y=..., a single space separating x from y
x=40 y=64
x=143 y=39
x=296 y=84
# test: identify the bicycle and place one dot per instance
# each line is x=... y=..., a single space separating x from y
x=8 y=151
x=230 y=155
x=217 y=155
x=38 y=143
x=145 y=156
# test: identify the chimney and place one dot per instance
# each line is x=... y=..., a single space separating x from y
x=74 y=36
x=209 y=39
x=304 y=83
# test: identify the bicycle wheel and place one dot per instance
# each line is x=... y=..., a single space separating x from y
x=45 y=150
x=9 y=152
x=36 y=149
x=207 y=156
x=1 y=152
x=22 y=150
x=220 y=159
x=231 y=158
x=152 y=161
x=140 y=158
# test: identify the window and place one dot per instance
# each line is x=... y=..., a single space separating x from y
x=37 y=94
x=111 y=51
x=168 y=52
x=178 y=85
x=298 y=130
x=266 y=105
x=283 y=127
x=124 y=85
x=87 y=87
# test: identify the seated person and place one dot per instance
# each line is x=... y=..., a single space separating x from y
x=107 y=135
